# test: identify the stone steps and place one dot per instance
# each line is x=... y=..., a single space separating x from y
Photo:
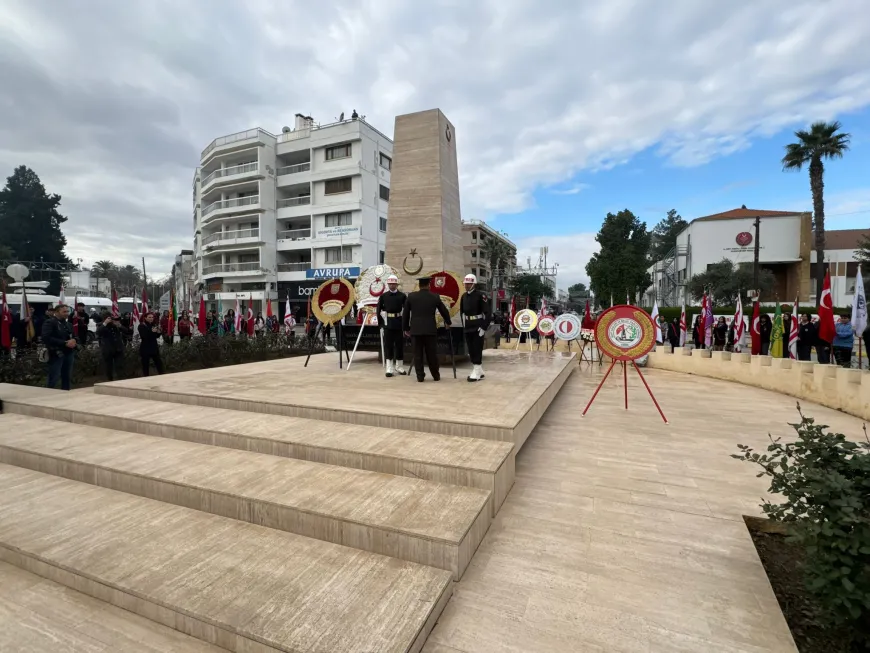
x=236 y=585
x=419 y=521
x=484 y=464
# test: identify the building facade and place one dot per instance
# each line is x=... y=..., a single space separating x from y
x=475 y=234
x=184 y=274
x=785 y=247
x=275 y=215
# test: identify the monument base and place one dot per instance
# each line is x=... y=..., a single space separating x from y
x=371 y=342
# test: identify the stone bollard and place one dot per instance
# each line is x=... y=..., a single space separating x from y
x=701 y=353
x=683 y=351
x=741 y=357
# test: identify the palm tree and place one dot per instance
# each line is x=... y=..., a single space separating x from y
x=821 y=142
x=103 y=269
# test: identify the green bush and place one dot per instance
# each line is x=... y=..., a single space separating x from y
x=193 y=354
x=824 y=482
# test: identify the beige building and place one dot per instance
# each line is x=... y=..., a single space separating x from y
x=475 y=234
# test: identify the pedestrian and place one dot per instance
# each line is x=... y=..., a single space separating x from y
x=476 y=313
x=765 y=327
x=418 y=323
x=211 y=323
x=149 y=345
x=166 y=328
x=673 y=332
x=185 y=326
x=806 y=338
x=57 y=336
x=844 y=341
x=81 y=321
x=786 y=332
x=390 y=306
x=697 y=340
x=230 y=322
x=259 y=325
x=720 y=334
x=112 y=335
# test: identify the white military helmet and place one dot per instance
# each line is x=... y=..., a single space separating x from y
x=470 y=278
x=392 y=279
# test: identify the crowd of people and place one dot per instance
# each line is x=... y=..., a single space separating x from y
x=808 y=340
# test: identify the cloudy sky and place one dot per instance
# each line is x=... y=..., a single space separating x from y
x=564 y=110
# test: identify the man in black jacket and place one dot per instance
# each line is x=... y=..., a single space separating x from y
x=476 y=314
x=81 y=328
x=418 y=322
x=390 y=307
x=112 y=335
x=57 y=336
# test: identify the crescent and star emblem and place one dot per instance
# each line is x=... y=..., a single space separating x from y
x=755 y=328
x=825 y=293
x=377 y=291
x=412 y=254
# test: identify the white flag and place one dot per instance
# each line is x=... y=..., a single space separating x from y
x=738 y=326
x=655 y=319
x=289 y=322
x=859 y=306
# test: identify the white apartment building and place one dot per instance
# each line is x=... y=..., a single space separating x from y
x=275 y=215
x=184 y=273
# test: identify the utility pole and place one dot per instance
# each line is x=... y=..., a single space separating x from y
x=755 y=256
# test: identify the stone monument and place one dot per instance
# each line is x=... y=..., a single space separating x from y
x=424 y=210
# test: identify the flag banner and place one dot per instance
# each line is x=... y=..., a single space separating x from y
x=793 y=334
x=116 y=312
x=859 y=306
x=173 y=312
x=827 y=329
x=220 y=317
x=755 y=329
x=144 y=309
x=203 y=318
x=29 y=330
x=237 y=318
x=249 y=315
x=776 y=333
x=738 y=325
x=134 y=322
x=655 y=319
x=587 y=323
x=683 y=325
x=707 y=323
x=5 y=323
x=289 y=322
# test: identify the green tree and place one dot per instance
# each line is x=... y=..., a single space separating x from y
x=496 y=252
x=664 y=235
x=30 y=223
x=619 y=268
x=725 y=281
x=105 y=269
x=531 y=286
x=129 y=278
x=822 y=141
x=577 y=288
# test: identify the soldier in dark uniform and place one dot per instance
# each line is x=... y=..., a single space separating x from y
x=418 y=322
x=476 y=315
x=390 y=307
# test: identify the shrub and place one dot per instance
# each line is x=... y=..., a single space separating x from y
x=824 y=482
x=196 y=353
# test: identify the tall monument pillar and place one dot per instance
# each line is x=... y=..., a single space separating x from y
x=424 y=210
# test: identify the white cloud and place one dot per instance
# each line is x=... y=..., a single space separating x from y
x=574 y=189
x=570 y=251
x=129 y=100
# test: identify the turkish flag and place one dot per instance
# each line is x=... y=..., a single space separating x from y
x=203 y=318
x=827 y=330
x=755 y=331
x=588 y=322
x=249 y=315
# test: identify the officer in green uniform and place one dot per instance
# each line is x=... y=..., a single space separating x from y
x=476 y=315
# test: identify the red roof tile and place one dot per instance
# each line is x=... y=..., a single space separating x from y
x=747 y=213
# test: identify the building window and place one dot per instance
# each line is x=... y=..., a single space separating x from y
x=339 y=254
x=381 y=257
x=474 y=235
x=385 y=193
x=383 y=224
x=386 y=162
x=474 y=271
x=474 y=253
x=338 y=219
x=336 y=186
x=338 y=152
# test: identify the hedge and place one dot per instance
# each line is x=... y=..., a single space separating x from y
x=193 y=354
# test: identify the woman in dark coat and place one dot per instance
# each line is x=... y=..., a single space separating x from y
x=697 y=335
x=720 y=334
x=806 y=338
x=765 y=327
x=674 y=332
x=149 y=347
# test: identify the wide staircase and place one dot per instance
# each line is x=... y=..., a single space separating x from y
x=141 y=525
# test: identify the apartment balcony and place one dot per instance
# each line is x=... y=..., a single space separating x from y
x=234 y=269
x=293 y=207
x=286 y=175
x=230 y=174
x=294 y=239
x=237 y=141
x=231 y=238
x=233 y=205
x=293 y=271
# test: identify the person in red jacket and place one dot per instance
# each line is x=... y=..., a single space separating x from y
x=165 y=328
x=184 y=326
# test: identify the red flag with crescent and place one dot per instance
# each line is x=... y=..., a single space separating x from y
x=827 y=329
x=755 y=330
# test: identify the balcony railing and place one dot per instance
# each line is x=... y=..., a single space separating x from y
x=296 y=134
x=231 y=203
x=294 y=267
x=232 y=170
x=292 y=170
x=231 y=235
x=295 y=234
x=294 y=201
x=231 y=138
x=231 y=267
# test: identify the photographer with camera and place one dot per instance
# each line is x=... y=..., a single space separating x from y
x=57 y=336
x=112 y=335
x=149 y=346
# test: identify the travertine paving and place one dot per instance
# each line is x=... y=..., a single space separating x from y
x=623 y=534
x=483 y=464
x=504 y=407
x=243 y=587
x=428 y=523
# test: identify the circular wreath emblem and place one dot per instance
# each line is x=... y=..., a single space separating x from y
x=625 y=333
x=744 y=238
x=449 y=287
x=567 y=326
x=525 y=320
x=332 y=300
x=546 y=326
x=372 y=283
